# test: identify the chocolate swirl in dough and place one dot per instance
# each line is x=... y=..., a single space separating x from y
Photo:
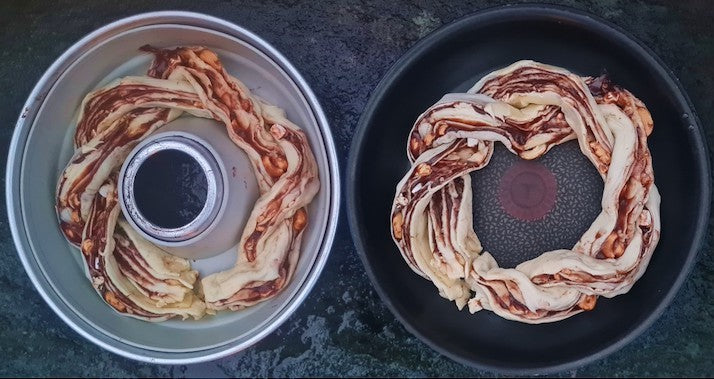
x=529 y=107
x=131 y=274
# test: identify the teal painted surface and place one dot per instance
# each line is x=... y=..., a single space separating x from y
x=342 y=49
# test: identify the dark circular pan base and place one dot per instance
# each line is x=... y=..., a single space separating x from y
x=452 y=59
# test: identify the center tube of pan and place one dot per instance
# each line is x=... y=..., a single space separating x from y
x=170 y=189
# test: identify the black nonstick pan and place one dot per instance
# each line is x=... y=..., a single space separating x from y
x=563 y=195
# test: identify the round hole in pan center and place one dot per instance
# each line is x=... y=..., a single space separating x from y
x=170 y=189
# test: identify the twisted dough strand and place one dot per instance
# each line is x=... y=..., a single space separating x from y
x=529 y=107
x=134 y=276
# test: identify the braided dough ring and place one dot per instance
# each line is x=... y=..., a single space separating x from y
x=529 y=107
x=131 y=274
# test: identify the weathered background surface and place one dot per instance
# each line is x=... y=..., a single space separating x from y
x=342 y=49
